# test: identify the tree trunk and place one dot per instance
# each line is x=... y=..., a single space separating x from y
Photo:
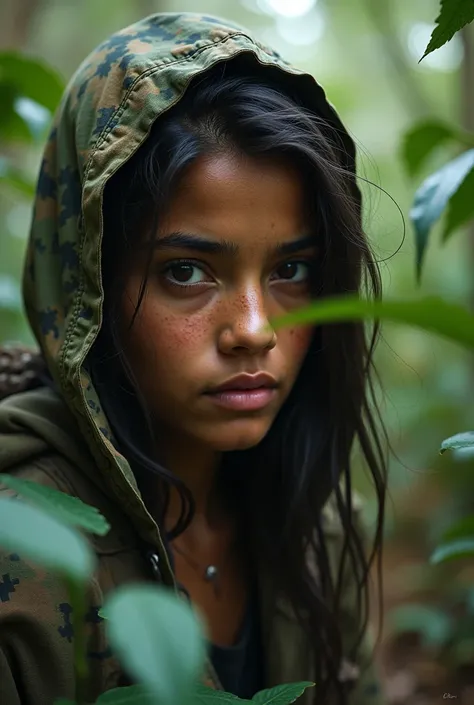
x=16 y=21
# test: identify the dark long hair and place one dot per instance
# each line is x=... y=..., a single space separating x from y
x=282 y=483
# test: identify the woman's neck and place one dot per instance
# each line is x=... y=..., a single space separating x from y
x=197 y=468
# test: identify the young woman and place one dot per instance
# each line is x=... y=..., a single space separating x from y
x=195 y=187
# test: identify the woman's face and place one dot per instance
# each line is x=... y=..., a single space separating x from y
x=233 y=252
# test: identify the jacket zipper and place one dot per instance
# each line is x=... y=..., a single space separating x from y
x=210 y=676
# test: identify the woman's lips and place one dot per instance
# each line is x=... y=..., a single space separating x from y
x=244 y=399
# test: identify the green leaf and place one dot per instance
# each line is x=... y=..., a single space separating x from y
x=459 y=441
x=281 y=694
x=31 y=78
x=461 y=206
x=203 y=695
x=35 y=116
x=13 y=127
x=433 y=196
x=63 y=701
x=130 y=695
x=77 y=599
x=44 y=540
x=430 y=314
x=11 y=176
x=464 y=528
x=459 y=548
x=432 y=624
x=67 y=509
x=454 y=14
x=421 y=141
x=158 y=638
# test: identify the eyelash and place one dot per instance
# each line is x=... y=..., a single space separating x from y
x=198 y=265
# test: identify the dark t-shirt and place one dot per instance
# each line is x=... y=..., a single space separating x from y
x=241 y=667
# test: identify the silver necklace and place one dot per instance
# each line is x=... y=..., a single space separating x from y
x=210 y=573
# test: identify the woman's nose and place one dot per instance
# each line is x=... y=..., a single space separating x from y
x=246 y=328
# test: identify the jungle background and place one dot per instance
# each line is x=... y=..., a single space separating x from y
x=366 y=55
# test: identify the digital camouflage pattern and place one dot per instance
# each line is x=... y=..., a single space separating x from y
x=105 y=115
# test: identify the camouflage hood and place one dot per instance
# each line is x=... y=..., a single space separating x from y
x=106 y=113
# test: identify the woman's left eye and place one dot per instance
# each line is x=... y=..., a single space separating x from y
x=294 y=272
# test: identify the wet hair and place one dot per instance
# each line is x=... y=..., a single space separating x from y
x=281 y=485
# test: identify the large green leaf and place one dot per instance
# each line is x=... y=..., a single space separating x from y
x=159 y=640
x=35 y=116
x=281 y=694
x=458 y=442
x=432 y=624
x=421 y=141
x=43 y=539
x=458 y=548
x=70 y=510
x=454 y=14
x=431 y=314
x=461 y=206
x=130 y=695
x=278 y=695
x=433 y=196
x=31 y=78
x=21 y=119
x=13 y=127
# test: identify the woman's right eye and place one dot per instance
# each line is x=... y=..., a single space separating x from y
x=184 y=274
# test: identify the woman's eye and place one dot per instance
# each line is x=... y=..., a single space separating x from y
x=185 y=273
x=294 y=272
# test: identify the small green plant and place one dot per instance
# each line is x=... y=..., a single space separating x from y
x=155 y=634
x=449 y=190
x=453 y=16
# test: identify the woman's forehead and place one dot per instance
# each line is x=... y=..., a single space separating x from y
x=239 y=199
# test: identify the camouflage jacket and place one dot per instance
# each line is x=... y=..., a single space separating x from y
x=65 y=441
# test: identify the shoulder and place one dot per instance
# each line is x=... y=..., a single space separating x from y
x=47 y=470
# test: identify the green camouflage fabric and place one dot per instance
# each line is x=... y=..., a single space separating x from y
x=106 y=113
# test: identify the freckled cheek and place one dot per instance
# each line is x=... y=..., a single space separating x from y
x=298 y=341
x=171 y=341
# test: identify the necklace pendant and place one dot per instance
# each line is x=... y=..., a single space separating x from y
x=211 y=573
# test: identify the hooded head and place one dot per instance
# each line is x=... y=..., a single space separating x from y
x=184 y=123
x=112 y=104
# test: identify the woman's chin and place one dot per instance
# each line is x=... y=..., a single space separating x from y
x=247 y=436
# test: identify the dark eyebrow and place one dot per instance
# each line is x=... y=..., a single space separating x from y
x=189 y=241
x=290 y=248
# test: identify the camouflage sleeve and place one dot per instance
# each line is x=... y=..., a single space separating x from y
x=36 y=631
x=36 y=655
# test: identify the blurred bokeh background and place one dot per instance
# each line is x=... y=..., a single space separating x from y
x=366 y=55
